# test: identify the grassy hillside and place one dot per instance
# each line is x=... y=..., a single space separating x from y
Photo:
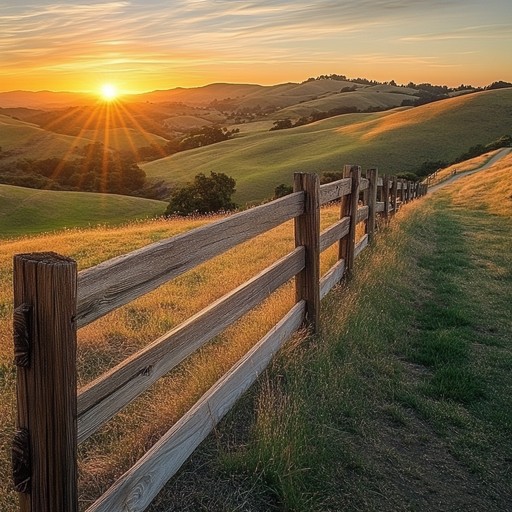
x=124 y=139
x=25 y=211
x=26 y=140
x=362 y=99
x=393 y=141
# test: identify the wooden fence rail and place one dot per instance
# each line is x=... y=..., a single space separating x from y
x=52 y=300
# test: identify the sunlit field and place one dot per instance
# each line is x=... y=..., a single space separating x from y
x=111 y=339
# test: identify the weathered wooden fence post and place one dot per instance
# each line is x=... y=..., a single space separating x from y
x=385 y=195
x=372 y=176
x=394 y=194
x=307 y=233
x=349 y=208
x=44 y=447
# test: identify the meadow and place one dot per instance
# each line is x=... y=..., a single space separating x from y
x=393 y=141
x=26 y=211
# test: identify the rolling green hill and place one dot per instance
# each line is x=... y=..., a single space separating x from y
x=362 y=99
x=26 y=140
x=28 y=211
x=394 y=141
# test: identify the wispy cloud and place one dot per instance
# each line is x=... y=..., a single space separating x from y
x=499 y=31
x=158 y=36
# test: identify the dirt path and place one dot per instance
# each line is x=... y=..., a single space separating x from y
x=498 y=156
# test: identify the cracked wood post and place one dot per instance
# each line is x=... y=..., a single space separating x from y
x=372 y=175
x=349 y=208
x=44 y=448
x=307 y=233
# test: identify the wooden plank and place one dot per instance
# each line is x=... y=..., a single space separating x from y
x=334 y=233
x=334 y=190
x=331 y=278
x=379 y=207
x=364 y=184
x=111 y=284
x=385 y=196
x=372 y=203
x=362 y=214
x=394 y=194
x=307 y=234
x=108 y=394
x=45 y=283
x=361 y=245
x=134 y=491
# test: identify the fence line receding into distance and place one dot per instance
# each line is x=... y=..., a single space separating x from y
x=52 y=301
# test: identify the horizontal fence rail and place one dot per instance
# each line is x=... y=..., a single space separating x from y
x=52 y=300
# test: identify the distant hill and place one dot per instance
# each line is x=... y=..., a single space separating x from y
x=45 y=99
x=394 y=141
x=362 y=99
x=19 y=139
x=27 y=211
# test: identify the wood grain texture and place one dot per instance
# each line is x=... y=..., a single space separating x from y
x=135 y=490
x=363 y=184
x=349 y=207
x=331 y=278
x=108 y=394
x=334 y=190
x=362 y=214
x=307 y=235
x=46 y=390
x=334 y=233
x=120 y=280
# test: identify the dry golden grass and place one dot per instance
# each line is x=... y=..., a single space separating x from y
x=467 y=165
x=490 y=189
x=111 y=339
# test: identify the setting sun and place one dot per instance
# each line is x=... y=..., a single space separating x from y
x=109 y=92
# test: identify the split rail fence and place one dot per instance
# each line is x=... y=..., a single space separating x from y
x=52 y=301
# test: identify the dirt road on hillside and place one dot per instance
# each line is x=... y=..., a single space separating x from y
x=498 y=156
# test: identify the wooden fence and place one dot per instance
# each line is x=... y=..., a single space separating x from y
x=52 y=301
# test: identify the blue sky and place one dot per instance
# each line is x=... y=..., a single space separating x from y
x=157 y=45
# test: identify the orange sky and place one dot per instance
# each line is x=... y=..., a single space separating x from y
x=157 y=44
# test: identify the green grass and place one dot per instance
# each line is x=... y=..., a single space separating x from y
x=361 y=99
x=26 y=211
x=27 y=140
x=393 y=141
x=404 y=400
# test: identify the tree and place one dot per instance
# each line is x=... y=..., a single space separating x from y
x=282 y=190
x=203 y=195
x=282 y=124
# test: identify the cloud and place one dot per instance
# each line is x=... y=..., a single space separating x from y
x=501 y=31
x=159 y=36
